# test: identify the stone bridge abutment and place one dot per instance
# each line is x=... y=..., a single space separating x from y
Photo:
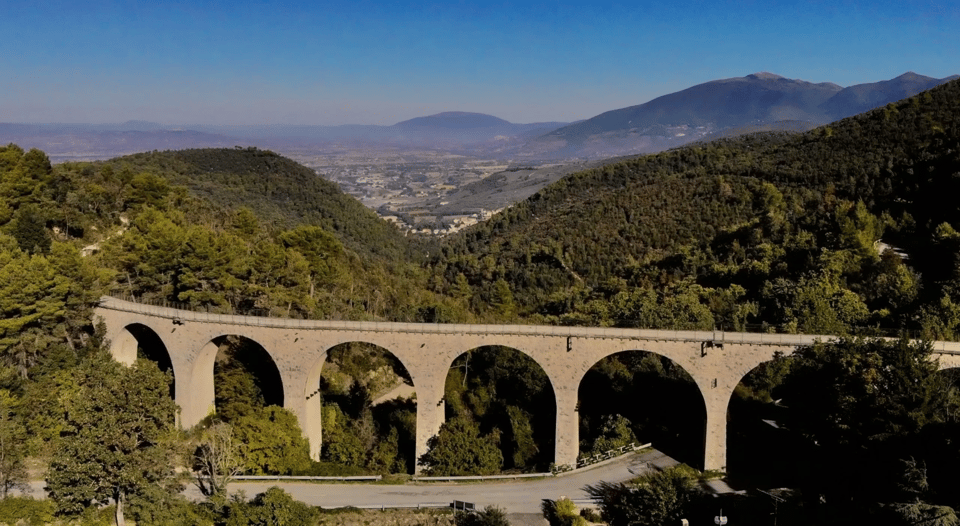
x=716 y=361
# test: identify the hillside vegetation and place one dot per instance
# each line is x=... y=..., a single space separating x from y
x=280 y=192
x=277 y=241
x=776 y=232
x=779 y=230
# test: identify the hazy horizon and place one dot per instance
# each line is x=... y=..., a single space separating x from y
x=332 y=63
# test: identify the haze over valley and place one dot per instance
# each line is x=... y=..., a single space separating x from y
x=432 y=174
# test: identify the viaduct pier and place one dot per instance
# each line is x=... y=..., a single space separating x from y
x=716 y=360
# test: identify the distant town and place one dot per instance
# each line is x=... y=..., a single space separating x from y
x=407 y=187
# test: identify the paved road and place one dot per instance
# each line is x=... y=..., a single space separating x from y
x=514 y=496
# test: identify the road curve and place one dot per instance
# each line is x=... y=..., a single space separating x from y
x=514 y=496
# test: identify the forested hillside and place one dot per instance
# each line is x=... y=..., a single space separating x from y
x=779 y=230
x=775 y=232
x=276 y=242
x=281 y=192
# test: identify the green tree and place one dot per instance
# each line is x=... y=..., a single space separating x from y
x=29 y=229
x=339 y=444
x=13 y=452
x=615 y=432
x=146 y=256
x=459 y=449
x=654 y=500
x=521 y=430
x=119 y=438
x=502 y=300
x=32 y=297
x=27 y=178
x=859 y=391
x=863 y=404
x=273 y=507
x=148 y=189
x=246 y=222
x=272 y=442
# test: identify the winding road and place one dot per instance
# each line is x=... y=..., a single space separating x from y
x=514 y=496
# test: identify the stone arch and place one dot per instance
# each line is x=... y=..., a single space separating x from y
x=130 y=338
x=528 y=411
x=948 y=360
x=313 y=413
x=203 y=385
x=659 y=396
x=754 y=431
x=138 y=340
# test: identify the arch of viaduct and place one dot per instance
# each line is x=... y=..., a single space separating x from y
x=717 y=361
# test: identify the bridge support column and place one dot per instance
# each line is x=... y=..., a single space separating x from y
x=307 y=409
x=567 y=446
x=715 y=444
x=430 y=415
x=312 y=418
x=195 y=394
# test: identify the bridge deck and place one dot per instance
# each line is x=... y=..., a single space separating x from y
x=718 y=337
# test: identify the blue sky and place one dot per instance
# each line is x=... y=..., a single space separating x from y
x=380 y=62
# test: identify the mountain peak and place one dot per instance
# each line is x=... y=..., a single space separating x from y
x=909 y=76
x=764 y=75
x=452 y=114
x=455 y=119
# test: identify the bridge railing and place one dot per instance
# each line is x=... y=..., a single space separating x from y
x=714 y=338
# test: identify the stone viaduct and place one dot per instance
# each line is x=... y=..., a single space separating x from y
x=716 y=360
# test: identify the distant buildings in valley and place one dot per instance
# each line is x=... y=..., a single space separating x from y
x=408 y=188
x=433 y=225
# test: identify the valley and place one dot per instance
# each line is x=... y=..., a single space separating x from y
x=772 y=232
x=406 y=187
x=434 y=192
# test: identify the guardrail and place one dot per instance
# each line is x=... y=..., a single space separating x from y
x=419 y=506
x=482 y=477
x=611 y=453
x=359 y=478
x=583 y=462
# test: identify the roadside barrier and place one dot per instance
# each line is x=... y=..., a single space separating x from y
x=583 y=462
x=418 y=506
x=360 y=478
x=483 y=477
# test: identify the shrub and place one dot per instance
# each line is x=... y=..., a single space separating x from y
x=490 y=516
x=591 y=515
x=14 y=509
x=273 y=507
x=561 y=512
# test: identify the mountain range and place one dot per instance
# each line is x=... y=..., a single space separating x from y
x=758 y=101
x=724 y=212
x=761 y=101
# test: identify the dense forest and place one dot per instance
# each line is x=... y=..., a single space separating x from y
x=848 y=229
x=768 y=231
